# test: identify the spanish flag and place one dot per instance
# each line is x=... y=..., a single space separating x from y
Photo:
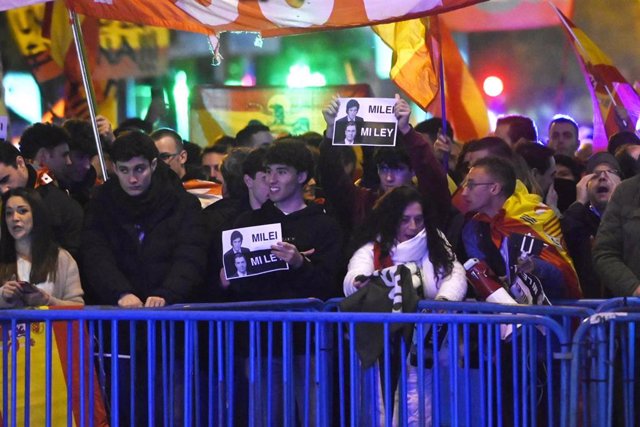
x=524 y=213
x=465 y=106
x=73 y=392
x=616 y=105
x=415 y=58
x=417 y=47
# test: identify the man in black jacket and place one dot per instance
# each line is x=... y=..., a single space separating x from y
x=311 y=238
x=144 y=242
x=66 y=213
x=310 y=245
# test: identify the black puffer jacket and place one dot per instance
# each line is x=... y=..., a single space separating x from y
x=150 y=245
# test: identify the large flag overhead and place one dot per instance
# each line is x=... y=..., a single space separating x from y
x=503 y=15
x=270 y=18
x=616 y=105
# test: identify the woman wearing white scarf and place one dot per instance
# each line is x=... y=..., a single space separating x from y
x=399 y=231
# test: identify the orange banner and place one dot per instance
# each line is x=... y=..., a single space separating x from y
x=507 y=15
x=271 y=18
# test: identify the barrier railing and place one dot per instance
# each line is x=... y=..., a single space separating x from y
x=604 y=386
x=204 y=367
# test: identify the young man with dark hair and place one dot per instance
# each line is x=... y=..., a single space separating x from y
x=563 y=135
x=310 y=237
x=66 y=213
x=46 y=146
x=80 y=177
x=310 y=245
x=542 y=165
x=211 y=160
x=253 y=136
x=143 y=238
x=513 y=128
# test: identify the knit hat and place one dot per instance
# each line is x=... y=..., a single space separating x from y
x=600 y=158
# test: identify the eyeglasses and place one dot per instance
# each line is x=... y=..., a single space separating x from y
x=166 y=156
x=471 y=185
x=608 y=171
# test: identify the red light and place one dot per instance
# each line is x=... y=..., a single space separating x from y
x=493 y=86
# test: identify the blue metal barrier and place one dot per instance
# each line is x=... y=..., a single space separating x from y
x=275 y=368
x=617 y=303
x=604 y=388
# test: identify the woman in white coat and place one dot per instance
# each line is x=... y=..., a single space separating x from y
x=399 y=230
x=34 y=270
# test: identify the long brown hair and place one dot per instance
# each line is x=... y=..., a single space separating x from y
x=44 y=250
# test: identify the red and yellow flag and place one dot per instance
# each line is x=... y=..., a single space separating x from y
x=29 y=362
x=616 y=105
x=415 y=58
x=417 y=47
x=465 y=106
x=524 y=213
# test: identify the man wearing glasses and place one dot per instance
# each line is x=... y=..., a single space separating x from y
x=172 y=152
x=581 y=220
x=507 y=214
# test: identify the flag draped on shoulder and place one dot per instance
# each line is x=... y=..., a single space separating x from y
x=524 y=213
x=616 y=105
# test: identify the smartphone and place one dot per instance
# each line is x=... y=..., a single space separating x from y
x=28 y=288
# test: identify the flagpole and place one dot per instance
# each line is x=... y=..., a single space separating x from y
x=78 y=41
x=445 y=157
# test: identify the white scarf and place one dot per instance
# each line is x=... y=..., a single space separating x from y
x=413 y=249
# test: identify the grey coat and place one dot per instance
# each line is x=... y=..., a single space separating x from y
x=616 y=254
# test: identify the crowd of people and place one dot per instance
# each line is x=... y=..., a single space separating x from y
x=142 y=239
x=545 y=216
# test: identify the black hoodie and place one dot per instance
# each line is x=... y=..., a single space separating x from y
x=308 y=228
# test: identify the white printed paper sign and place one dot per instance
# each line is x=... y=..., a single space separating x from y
x=365 y=121
x=247 y=251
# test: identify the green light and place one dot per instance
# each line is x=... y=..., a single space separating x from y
x=300 y=75
x=232 y=82
x=181 y=100
x=383 y=56
x=22 y=95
